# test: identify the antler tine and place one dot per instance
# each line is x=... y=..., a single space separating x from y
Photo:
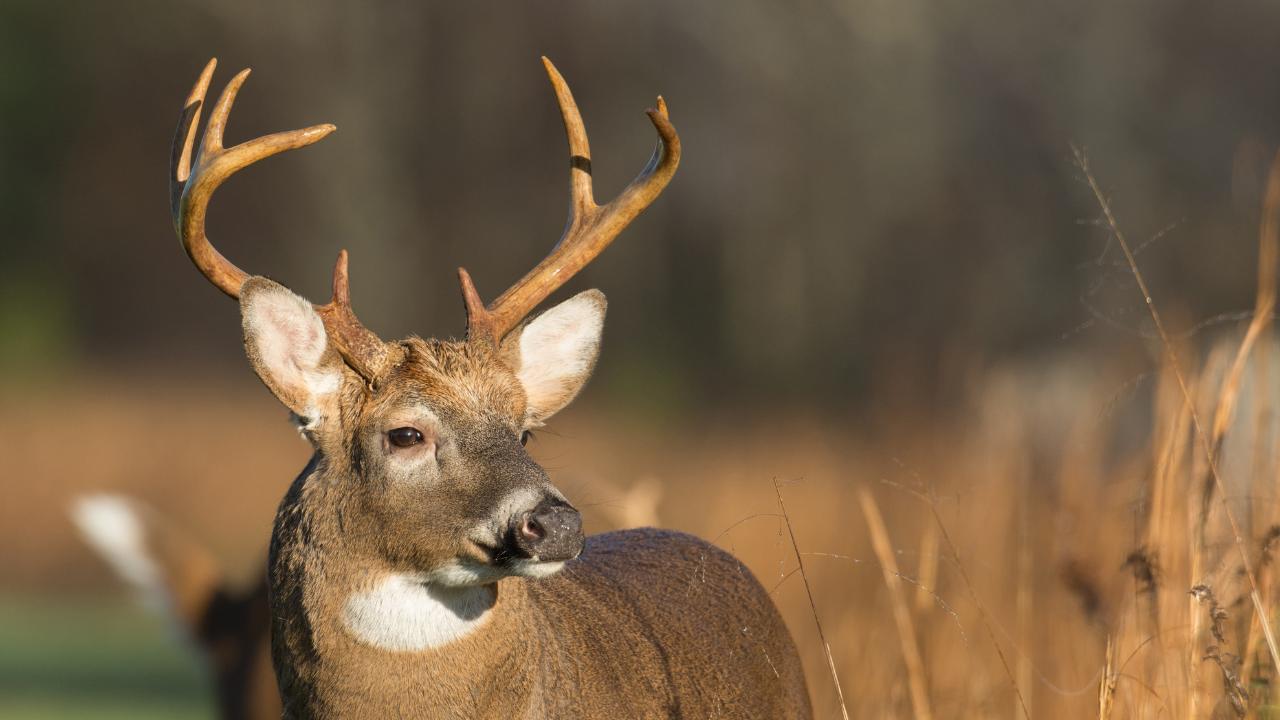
x=590 y=228
x=363 y=350
x=581 y=195
x=184 y=138
x=192 y=183
x=217 y=125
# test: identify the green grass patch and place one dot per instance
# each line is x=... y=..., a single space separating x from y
x=94 y=658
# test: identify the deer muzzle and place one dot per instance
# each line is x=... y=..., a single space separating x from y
x=550 y=532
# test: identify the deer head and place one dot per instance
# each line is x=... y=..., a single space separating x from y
x=420 y=442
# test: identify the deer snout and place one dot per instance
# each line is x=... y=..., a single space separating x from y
x=550 y=532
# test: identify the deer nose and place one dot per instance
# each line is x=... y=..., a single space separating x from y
x=551 y=532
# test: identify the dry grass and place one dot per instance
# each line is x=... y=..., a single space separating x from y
x=883 y=548
x=1049 y=550
x=1064 y=572
x=1061 y=571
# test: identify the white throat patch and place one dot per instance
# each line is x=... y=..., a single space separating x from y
x=403 y=613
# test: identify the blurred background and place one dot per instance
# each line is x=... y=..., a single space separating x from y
x=878 y=261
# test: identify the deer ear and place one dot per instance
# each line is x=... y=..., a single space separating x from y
x=554 y=354
x=288 y=347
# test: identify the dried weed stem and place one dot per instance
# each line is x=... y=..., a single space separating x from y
x=901 y=614
x=813 y=605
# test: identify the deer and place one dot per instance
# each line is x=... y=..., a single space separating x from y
x=423 y=564
x=178 y=577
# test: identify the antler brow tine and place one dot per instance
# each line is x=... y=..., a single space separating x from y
x=590 y=227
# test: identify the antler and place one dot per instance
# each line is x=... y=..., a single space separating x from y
x=191 y=185
x=590 y=228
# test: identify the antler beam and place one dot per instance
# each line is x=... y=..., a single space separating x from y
x=192 y=184
x=590 y=229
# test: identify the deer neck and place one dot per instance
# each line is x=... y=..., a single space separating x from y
x=363 y=626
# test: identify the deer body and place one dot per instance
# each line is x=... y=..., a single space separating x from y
x=424 y=565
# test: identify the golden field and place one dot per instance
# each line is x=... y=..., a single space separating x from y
x=1043 y=535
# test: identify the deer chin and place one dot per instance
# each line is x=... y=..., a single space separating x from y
x=534 y=568
x=467 y=572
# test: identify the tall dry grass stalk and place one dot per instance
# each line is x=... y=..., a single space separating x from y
x=813 y=605
x=1259 y=327
x=883 y=548
x=1107 y=686
x=1264 y=304
x=1024 y=597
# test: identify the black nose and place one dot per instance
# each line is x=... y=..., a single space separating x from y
x=550 y=532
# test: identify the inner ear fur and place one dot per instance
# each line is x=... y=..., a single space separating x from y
x=286 y=343
x=554 y=353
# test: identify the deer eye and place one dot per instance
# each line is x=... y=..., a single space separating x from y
x=405 y=437
x=525 y=437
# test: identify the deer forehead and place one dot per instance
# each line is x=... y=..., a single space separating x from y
x=451 y=379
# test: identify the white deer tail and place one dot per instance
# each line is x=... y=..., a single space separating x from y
x=171 y=573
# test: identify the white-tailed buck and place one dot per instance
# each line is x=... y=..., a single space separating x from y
x=423 y=565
